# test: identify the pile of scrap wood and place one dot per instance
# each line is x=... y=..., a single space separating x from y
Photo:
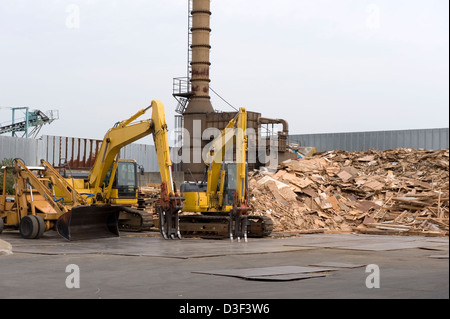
x=149 y=196
x=402 y=191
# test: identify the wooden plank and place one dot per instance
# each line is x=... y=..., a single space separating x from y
x=411 y=200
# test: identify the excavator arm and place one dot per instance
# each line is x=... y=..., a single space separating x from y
x=161 y=141
x=238 y=215
x=170 y=199
x=214 y=161
x=122 y=134
x=233 y=134
x=241 y=159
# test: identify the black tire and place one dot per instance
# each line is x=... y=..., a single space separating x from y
x=29 y=227
x=2 y=225
x=41 y=224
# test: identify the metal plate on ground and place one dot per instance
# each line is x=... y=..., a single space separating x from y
x=290 y=277
x=52 y=244
x=439 y=256
x=337 y=265
x=440 y=240
x=366 y=242
x=385 y=246
x=283 y=273
x=439 y=248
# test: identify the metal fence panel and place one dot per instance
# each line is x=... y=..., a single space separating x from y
x=145 y=155
x=432 y=139
x=79 y=153
x=16 y=147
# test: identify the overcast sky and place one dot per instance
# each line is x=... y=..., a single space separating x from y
x=323 y=65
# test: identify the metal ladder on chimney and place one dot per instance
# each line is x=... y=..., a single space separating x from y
x=182 y=93
x=182 y=90
x=189 y=57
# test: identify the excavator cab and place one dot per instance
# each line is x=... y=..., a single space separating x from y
x=124 y=188
x=230 y=183
x=126 y=180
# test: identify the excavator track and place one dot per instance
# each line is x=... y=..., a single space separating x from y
x=134 y=220
x=260 y=226
x=217 y=227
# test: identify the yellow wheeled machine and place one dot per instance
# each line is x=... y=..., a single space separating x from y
x=34 y=207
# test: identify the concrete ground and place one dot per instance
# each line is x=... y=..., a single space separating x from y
x=320 y=266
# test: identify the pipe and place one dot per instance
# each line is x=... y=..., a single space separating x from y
x=265 y=120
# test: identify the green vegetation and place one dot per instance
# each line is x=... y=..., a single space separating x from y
x=9 y=177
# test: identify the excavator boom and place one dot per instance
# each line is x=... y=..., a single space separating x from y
x=122 y=134
x=170 y=200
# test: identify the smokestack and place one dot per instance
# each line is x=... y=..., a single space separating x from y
x=199 y=114
x=200 y=101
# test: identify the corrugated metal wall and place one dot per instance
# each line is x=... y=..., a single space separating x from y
x=144 y=155
x=24 y=148
x=432 y=139
x=78 y=152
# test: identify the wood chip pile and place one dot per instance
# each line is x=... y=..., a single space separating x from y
x=402 y=191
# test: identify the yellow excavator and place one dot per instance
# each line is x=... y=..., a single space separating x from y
x=222 y=199
x=95 y=206
x=113 y=183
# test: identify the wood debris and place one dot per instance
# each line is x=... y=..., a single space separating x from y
x=148 y=197
x=402 y=191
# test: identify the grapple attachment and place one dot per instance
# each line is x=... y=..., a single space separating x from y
x=89 y=222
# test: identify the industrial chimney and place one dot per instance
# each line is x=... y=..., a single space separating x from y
x=194 y=101
x=200 y=102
